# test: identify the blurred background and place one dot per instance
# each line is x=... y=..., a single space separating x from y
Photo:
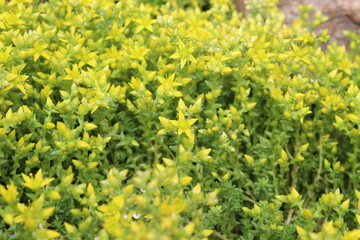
x=342 y=15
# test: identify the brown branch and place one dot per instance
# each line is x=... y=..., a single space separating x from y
x=240 y=6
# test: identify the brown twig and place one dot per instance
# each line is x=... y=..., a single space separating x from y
x=240 y=6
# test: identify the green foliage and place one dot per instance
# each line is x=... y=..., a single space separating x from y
x=224 y=217
x=175 y=120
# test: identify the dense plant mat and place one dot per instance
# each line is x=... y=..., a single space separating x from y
x=145 y=120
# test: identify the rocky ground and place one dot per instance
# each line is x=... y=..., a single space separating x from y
x=342 y=14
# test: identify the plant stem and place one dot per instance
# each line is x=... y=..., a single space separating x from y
x=219 y=236
x=289 y=217
x=296 y=150
x=275 y=178
x=319 y=170
x=354 y=163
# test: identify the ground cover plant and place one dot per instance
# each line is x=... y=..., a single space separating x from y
x=175 y=120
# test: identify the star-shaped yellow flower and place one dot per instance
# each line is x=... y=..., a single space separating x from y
x=183 y=124
x=10 y=193
x=36 y=182
x=168 y=87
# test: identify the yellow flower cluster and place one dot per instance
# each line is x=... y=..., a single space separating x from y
x=140 y=119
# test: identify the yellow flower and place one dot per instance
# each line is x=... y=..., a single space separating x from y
x=90 y=126
x=31 y=216
x=114 y=206
x=8 y=218
x=55 y=195
x=36 y=182
x=189 y=228
x=249 y=159
x=328 y=228
x=40 y=50
x=83 y=145
x=294 y=196
x=184 y=52
x=349 y=235
x=168 y=86
x=307 y=214
x=183 y=125
x=47 y=234
x=186 y=180
x=145 y=23
x=9 y=195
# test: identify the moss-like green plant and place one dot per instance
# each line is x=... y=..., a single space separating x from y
x=175 y=120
